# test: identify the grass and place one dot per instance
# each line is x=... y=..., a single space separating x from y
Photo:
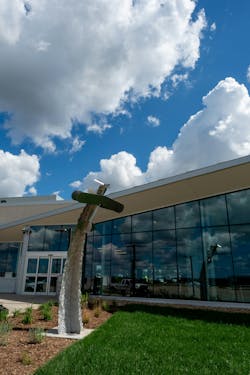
x=154 y=340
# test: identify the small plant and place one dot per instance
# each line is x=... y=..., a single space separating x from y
x=27 y=317
x=3 y=313
x=85 y=319
x=85 y=299
x=46 y=311
x=5 y=329
x=25 y=359
x=16 y=313
x=36 y=335
x=97 y=312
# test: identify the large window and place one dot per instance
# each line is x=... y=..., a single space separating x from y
x=8 y=258
x=49 y=238
x=194 y=250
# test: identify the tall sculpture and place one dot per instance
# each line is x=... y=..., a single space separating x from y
x=70 y=313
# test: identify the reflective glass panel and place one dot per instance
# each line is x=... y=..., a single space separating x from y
x=122 y=225
x=102 y=256
x=187 y=215
x=121 y=260
x=8 y=258
x=103 y=228
x=219 y=274
x=88 y=261
x=164 y=218
x=32 y=264
x=36 y=240
x=165 y=264
x=52 y=286
x=190 y=261
x=238 y=204
x=30 y=284
x=213 y=211
x=142 y=263
x=41 y=284
x=56 y=238
x=142 y=222
x=43 y=265
x=240 y=237
x=56 y=265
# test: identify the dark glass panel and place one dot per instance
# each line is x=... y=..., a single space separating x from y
x=240 y=237
x=213 y=211
x=142 y=222
x=103 y=228
x=43 y=265
x=190 y=260
x=142 y=264
x=53 y=284
x=36 y=240
x=165 y=266
x=239 y=207
x=41 y=284
x=218 y=267
x=122 y=225
x=121 y=263
x=88 y=263
x=56 y=265
x=56 y=238
x=32 y=265
x=164 y=218
x=102 y=256
x=8 y=257
x=30 y=284
x=187 y=215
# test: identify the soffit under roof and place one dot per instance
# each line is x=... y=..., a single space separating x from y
x=229 y=179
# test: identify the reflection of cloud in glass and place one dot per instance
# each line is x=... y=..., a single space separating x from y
x=238 y=207
x=187 y=215
x=142 y=222
x=213 y=211
x=218 y=236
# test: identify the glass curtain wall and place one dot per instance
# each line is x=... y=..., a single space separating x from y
x=195 y=250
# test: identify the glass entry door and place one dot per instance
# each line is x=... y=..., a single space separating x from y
x=42 y=274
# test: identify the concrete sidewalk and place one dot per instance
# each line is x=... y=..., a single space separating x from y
x=17 y=302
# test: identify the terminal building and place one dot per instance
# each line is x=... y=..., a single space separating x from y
x=183 y=237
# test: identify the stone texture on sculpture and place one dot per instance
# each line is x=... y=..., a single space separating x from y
x=70 y=313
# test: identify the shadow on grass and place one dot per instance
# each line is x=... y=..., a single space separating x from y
x=224 y=317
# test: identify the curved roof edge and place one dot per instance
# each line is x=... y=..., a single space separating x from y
x=183 y=176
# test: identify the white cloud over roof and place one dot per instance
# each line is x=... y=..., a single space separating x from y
x=18 y=173
x=63 y=61
x=218 y=132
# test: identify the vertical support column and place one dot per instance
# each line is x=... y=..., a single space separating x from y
x=21 y=272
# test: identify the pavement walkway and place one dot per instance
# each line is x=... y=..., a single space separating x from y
x=21 y=302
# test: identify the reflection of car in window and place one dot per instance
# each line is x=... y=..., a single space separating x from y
x=125 y=287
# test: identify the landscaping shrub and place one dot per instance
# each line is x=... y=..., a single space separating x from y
x=27 y=317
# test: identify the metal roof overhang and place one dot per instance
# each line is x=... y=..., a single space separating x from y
x=206 y=182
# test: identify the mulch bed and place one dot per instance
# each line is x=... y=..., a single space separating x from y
x=19 y=356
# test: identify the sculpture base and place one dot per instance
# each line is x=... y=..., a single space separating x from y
x=75 y=336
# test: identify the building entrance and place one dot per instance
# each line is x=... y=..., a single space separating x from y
x=43 y=274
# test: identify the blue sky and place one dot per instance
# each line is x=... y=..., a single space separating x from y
x=127 y=92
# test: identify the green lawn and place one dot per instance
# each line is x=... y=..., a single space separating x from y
x=160 y=341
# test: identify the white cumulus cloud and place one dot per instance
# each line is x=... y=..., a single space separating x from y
x=218 y=132
x=66 y=61
x=18 y=173
x=153 y=121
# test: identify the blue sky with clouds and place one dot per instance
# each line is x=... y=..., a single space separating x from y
x=127 y=92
